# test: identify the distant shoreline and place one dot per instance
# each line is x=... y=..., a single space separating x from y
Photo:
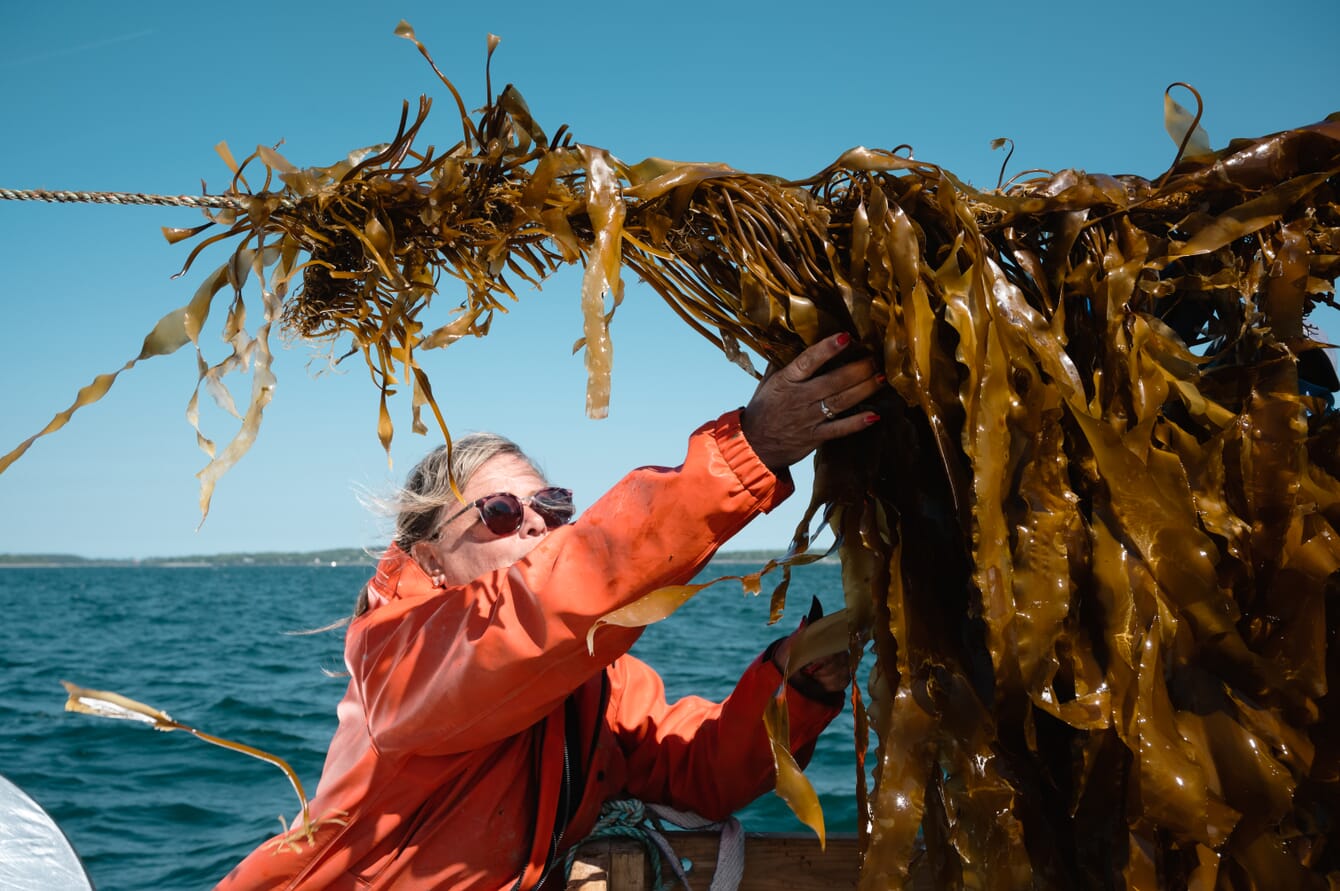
x=330 y=557
x=327 y=558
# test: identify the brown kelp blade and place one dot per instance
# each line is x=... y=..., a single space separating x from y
x=105 y=704
x=171 y=333
x=793 y=786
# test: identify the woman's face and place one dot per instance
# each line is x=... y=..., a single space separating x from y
x=464 y=549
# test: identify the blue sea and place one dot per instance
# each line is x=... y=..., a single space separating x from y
x=212 y=647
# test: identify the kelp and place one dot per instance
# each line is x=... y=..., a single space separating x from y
x=1093 y=540
x=105 y=704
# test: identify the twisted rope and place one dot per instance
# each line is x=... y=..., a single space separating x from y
x=66 y=197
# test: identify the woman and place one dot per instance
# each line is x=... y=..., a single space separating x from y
x=479 y=736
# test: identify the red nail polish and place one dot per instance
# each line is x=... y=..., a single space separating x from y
x=843 y=339
x=871 y=418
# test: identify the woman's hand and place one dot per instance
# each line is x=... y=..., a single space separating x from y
x=829 y=674
x=794 y=408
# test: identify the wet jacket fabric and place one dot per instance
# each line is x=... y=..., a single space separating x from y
x=479 y=737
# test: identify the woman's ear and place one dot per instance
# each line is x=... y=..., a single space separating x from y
x=425 y=555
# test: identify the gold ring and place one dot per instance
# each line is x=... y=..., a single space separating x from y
x=828 y=412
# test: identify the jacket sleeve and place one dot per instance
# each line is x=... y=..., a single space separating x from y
x=709 y=758
x=456 y=668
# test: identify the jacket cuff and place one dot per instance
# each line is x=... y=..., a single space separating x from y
x=769 y=488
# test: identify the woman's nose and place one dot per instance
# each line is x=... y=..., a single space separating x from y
x=532 y=524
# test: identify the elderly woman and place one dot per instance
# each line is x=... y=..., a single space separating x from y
x=479 y=737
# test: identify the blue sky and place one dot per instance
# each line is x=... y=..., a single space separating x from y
x=134 y=97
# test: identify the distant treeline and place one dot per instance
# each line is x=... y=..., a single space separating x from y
x=334 y=556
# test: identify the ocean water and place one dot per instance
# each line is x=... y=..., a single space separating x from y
x=210 y=646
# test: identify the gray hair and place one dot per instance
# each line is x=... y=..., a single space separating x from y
x=427 y=489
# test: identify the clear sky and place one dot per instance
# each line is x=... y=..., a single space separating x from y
x=134 y=96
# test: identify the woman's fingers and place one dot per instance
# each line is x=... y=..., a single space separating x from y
x=840 y=427
x=847 y=387
x=833 y=673
x=796 y=408
x=815 y=356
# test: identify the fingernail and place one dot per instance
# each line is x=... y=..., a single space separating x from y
x=871 y=418
x=843 y=339
x=880 y=378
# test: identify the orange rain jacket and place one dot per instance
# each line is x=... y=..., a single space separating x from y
x=478 y=737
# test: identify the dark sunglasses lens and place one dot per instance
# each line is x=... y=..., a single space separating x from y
x=501 y=513
x=554 y=505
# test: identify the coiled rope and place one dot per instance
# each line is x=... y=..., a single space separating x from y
x=627 y=818
x=630 y=818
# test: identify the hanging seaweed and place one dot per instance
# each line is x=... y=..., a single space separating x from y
x=1094 y=538
x=105 y=704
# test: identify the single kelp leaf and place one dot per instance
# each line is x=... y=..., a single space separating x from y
x=905 y=776
x=647 y=609
x=606 y=208
x=174 y=235
x=171 y=333
x=105 y=704
x=1184 y=127
x=663 y=602
x=793 y=786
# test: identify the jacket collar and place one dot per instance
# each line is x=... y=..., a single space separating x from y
x=397 y=577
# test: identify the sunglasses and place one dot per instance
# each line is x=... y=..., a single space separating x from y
x=502 y=512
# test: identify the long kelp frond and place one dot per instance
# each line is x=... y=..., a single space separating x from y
x=105 y=704
x=1094 y=538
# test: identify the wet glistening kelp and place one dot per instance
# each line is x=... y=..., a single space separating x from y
x=1093 y=539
